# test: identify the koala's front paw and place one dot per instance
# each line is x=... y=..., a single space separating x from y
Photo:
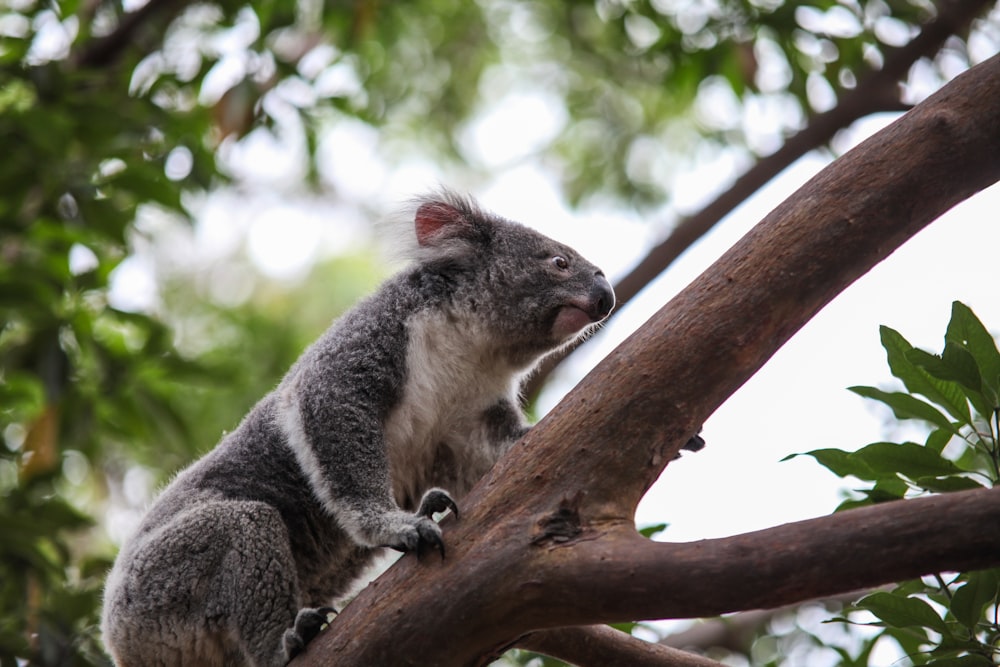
x=419 y=534
x=308 y=623
x=416 y=532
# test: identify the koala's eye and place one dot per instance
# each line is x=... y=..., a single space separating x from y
x=560 y=262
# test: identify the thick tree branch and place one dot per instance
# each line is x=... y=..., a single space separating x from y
x=564 y=497
x=628 y=575
x=876 y=91
x=601 y=646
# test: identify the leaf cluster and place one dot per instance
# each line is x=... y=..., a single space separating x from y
x=78 y=377
x=655 y=73
x=938 y=621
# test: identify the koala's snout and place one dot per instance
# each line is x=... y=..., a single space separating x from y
x=590 y=306
x=602 y=297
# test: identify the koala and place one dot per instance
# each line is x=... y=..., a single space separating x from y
x=391 y=415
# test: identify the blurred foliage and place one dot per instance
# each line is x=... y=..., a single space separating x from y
x=106 y=115
x=949 y=618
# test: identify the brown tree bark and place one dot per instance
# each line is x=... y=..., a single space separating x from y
x=547 y=538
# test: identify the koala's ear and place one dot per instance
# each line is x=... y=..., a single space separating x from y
x=437 y=222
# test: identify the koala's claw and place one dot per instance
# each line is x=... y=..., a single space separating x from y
x=309 y=622
x=418 y=532
x=437 y=500
x=695 y=444
x=430 y=538
x=421 y=536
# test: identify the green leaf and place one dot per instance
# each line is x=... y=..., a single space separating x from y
x=627 y=627
x=962 y=661
x=971 y=598
x=853 y=504
x=956 y=365
x=954 y=646
x=905 y=406
x=918 y=381
x=912 y=640
x=839 y=463
x=908 y=458
x=975 y=459
x=902 y=612
x=947 y=484
x=22 y=396
x=938 y=440
x=967 y=330
x=655 y=529
x=887 y=490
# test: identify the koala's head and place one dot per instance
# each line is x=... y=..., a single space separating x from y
x=533 y=294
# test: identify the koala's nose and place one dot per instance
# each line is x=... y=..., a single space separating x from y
x=602 y=296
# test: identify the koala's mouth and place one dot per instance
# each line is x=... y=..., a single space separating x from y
x=572 y=319
x=585 y=310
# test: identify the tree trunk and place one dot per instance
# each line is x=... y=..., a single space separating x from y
x=547 y=538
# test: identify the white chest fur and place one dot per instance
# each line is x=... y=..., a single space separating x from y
x=452 y=378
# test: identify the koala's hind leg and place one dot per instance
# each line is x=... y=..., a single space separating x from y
x=308 y=623
x=214 y=585
x=271 y=627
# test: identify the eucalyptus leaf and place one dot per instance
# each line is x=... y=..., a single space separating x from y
x=937 y=440
x=887 y=489
x=908 y=458
x=839 y=462
x=971 y=660
x=955 y=364
x=902 y=612
x=912 y=640
x=853 y=503
x=653 y=530
x=967 y=330
x=970 y=599
x=918 y=381
x=906 y=406
x=947 y=484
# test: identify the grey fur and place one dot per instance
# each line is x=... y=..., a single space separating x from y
x=413 y=389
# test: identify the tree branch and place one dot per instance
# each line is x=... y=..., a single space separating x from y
x=576 y=478
x=628 y=575
x=601 y=646
x=103 y=51
x=736 y=633
x=877 y=91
